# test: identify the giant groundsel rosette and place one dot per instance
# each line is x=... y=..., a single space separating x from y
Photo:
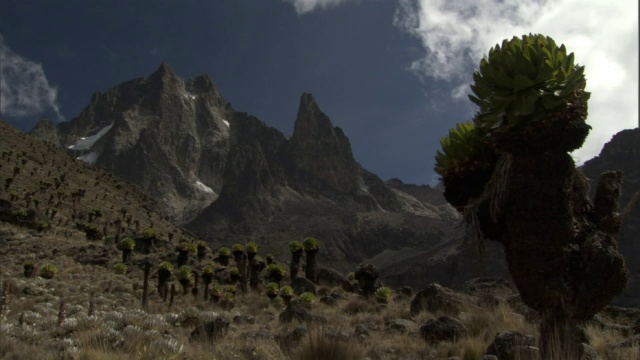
x=465 y=163
x=528 y=90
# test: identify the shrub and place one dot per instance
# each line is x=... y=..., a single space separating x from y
x=186 y=246
x=272 y=289
x=126 y=244
x=286 y=291
x=148 y=233
x=307 y=298
x=48 y=271
x=311 y=244
x=251 y=247
x=121 y=268
x=237 y=248
x=185 y=275
x=275 y=272
x=295 y=246
x=224 y=251
x=383 y=294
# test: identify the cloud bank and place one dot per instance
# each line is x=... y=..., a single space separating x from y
x=455 y=34
x=306 y=6
x=24 y=88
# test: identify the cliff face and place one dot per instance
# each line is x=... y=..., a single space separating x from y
x=623 y=153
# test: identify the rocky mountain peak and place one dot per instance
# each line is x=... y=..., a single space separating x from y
x=170 y=138
x=165 y=78
x=321 y=150
x=311 y=120
x=201 y=84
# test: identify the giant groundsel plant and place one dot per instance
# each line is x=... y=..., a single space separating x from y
x=509 y=172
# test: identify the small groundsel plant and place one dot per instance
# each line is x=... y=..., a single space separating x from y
x=295 y=246
x=224 y=251
x=307 y=298
x=187 y=246
x=383 y=294
x=237 y=248
x=48 y=271
x=251 y=247
x=126 y=244
x=311 y=244
x=286 y=291
x=272 y=290
x=275 y=272
x=185 y=275
x=121 y=268
x=149 y=233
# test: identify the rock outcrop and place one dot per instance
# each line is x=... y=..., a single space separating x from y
x=623 y=153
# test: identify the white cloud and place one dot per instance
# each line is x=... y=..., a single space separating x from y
x=603 y=35
x=24 y=88
x=306 y=6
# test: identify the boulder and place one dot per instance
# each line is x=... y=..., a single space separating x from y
x=297 y=311
x=401 y=325
x=331 y=277
x=210 y=330
x=505 y=344
x=436 y=298
x=292 y=338
x=367 y=275
x=442 y=329
x=301 y=285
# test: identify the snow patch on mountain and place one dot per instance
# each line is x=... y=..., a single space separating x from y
x=189 y=95
x=90 y=157
x=85 y=143
x=204 y=187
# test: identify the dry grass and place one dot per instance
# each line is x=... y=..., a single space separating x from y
x=118 y=330
x=324 y=344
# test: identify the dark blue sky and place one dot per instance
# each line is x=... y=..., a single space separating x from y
x=262 y=55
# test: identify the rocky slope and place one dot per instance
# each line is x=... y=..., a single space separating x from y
x=280 y=189
x=623 y=153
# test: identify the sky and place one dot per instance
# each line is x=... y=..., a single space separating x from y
x=393 y=74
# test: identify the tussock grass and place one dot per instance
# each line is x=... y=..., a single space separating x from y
x=322 y=344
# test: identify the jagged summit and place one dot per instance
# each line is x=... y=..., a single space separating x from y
x=311 y=119
x=163 y=72
x=322 y=150
x=167 y=136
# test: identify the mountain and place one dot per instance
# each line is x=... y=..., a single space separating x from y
x=622 y=152
x=168 y=136
x=230 y=178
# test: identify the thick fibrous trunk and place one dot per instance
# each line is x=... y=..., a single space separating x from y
x=562 y=252
x=240 y=258
x=311 y=265
x=295 y=263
